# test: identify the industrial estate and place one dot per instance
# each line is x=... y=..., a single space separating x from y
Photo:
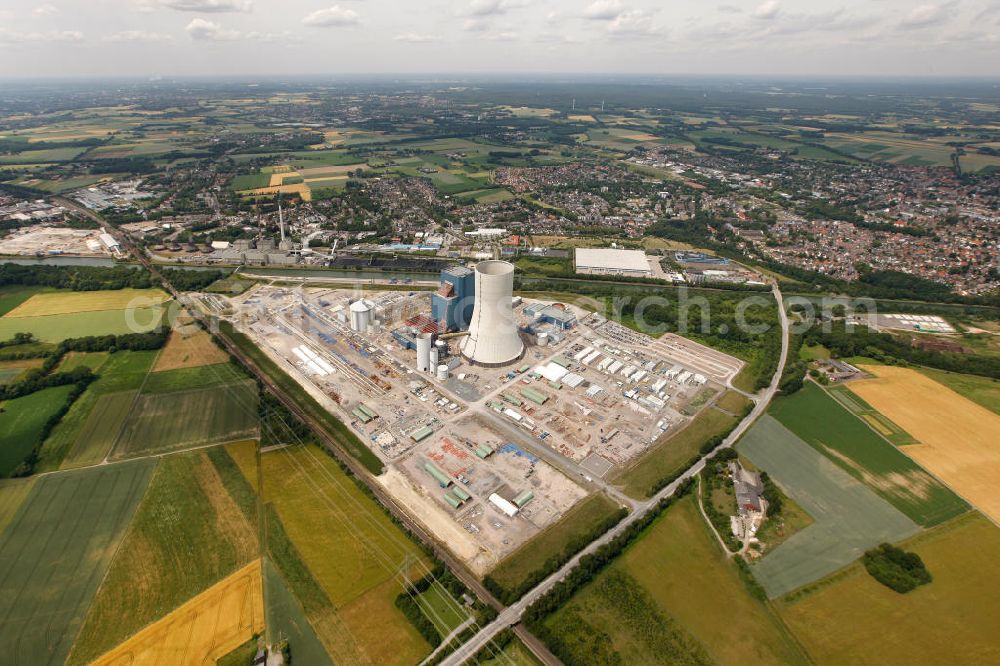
x=483 y=373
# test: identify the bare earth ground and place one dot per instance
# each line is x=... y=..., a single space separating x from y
x=189 y=347
x=959 y=440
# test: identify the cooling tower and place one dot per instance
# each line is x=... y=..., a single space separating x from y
x=493 y=338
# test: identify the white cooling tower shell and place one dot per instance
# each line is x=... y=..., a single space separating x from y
x=493 y=339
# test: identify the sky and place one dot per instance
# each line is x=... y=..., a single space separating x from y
x=163 y=38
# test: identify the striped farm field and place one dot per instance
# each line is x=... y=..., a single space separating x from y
x=57 y=327
x=55 y=552
x=208 y=627
x=165 y=422
x=957 y=437
x=191 y=531
x=834 y=424
x=41 y=305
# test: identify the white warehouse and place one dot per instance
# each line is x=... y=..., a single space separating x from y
x=611 y=261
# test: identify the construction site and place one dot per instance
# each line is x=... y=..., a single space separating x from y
x=493 y=414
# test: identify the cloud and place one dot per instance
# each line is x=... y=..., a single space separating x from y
x=18 y=37
x=209 y=6
x=414 y=38
x=767 y=10
x=475 y=25
x=926 y=15
x=492 y=7
x=633 y=22
x=137 y=36
x=207 y=31
x=729 y=9
x=603 y=10
x=46 y=10
x=331 y=17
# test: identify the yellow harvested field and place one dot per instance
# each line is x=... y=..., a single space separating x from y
x=583 y=118
x=959 y=440
x=56 y=303
x=188 y=347
x=207 y=627
x=278 y=179
x=301 y=189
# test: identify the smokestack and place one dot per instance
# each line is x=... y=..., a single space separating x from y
x=281 y=221
x=493 y=339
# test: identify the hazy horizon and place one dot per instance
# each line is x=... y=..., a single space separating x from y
x=310 y=38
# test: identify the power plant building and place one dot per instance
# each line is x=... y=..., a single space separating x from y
x=452 y=303
x=612 y=261
x=493 y=338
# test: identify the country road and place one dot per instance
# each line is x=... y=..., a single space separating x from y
x=512 y=614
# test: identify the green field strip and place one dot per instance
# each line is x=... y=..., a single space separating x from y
x=22 y=422
x=12 y=494
x=849 y=518
x=55 y=553
x=284 y=618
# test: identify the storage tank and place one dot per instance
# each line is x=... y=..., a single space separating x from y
x=435 y=357
x=424 y=352
x=542 y=339
x=361 y=315
x=493 y=340
x=442 y=372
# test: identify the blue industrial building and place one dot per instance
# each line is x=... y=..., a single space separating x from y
x=452 y=303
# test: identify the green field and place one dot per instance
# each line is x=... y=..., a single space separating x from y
x=849 y=518
x=83 y=438
x=441 y=609
x=284 y=616
x=55 y=553
x=164 y=422
x=22 y=421
x=188 y=534
x=673 y=454
x=192 y=378
x=73 y=360
x=104 y=423
x=826 y=425
x=671 y=598
x=54 y=328
x=13 y=295
x=514 y=653
x=580 y=521
x=12 y=494
x=849 y=618
x=880 y=423
x=980 y=390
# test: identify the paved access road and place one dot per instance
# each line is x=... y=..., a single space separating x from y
x=512 y=614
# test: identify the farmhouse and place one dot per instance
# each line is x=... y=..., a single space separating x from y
x=611 y=261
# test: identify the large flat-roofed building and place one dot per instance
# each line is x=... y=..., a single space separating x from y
x=611 y=261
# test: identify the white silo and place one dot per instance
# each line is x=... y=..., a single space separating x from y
x=424 y=352
x=435 y=357
x=493 y=339
x=442 y=372
x=542 y=339
x=362 y=312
